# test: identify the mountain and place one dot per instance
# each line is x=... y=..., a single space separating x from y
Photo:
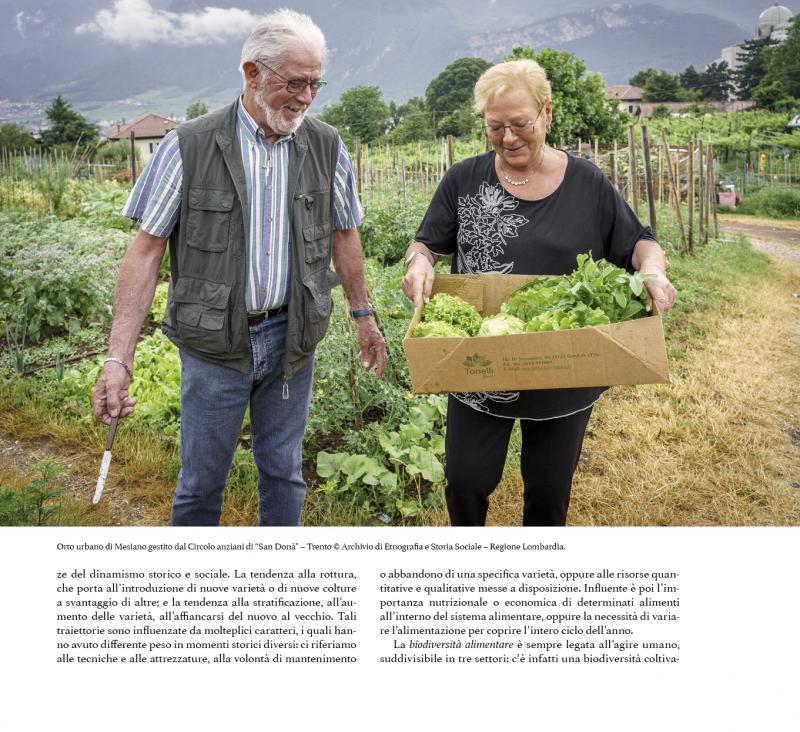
x=114 y=58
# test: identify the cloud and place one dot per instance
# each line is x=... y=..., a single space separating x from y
x=137 y=22
x=23 y=20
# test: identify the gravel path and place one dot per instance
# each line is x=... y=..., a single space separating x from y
x=782 y=241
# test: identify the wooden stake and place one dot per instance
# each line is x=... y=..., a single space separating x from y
x=648 y=172
x=674 y=187
x=690 y=193
x=633 y=180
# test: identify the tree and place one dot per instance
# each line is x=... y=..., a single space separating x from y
x=662 y=87
x=782 y=78
x=361 y=112
x=640 y=78
x=690 y=79
x=716 y=82
x=580 y=107
x=15 y=138
x=67 y=127
x=410 y=121
x=196 y=109
x=751 y=67
x=449 y=96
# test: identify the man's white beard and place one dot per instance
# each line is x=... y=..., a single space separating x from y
x=275 y=119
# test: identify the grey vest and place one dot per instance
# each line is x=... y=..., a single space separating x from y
x=206 y=313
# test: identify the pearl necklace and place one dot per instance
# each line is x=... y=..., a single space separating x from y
x=526 y=180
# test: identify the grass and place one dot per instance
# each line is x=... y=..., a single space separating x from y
x=718 y=446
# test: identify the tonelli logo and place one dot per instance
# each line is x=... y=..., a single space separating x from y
x=476 y=365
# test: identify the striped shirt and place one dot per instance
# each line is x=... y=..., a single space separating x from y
x=155 y=203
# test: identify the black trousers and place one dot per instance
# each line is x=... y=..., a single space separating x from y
x=476 y=444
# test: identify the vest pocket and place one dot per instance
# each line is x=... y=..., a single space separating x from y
x=201 y=312
x=316 y=243
x=317 y=306
x=209 y=220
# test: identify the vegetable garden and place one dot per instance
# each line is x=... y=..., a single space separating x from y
x=373 y=451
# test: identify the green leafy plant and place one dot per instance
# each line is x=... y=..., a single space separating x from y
x=35 y=504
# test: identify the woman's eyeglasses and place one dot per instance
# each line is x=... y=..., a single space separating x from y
x=518 y=128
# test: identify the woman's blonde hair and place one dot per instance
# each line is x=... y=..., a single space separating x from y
x=500 y=77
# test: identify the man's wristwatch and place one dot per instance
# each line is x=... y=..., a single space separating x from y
x=363 y=312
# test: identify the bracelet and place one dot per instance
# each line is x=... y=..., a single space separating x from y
x=121 y=363
x=363 y=312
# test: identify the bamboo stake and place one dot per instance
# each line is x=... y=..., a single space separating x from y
x=674 y=187
x=690 y=193
x=633 y=181
x=648 y=172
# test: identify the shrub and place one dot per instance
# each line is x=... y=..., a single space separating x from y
x=56 y=276
x=777 y=203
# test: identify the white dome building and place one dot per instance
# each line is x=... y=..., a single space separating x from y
x=774 y=23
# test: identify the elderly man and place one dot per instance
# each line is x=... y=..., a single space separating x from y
x=255 y=200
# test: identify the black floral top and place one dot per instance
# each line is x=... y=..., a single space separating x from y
x=487 y=229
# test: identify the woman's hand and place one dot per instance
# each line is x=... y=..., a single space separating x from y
x=418 y=281
x=659 y=290
x=648 y=258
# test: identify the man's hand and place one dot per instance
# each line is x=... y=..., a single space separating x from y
x=418 y=280
x=110 y=395
x=373 y=347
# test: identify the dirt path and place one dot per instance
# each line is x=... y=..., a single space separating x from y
x=776 y=238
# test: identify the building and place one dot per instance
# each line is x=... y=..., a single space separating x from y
x=148 y=130
x=629 y=97
x=773 y=23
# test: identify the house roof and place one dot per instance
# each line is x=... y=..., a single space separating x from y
x=145 y=125
x=624 y=92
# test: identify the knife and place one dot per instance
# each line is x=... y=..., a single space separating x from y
x=101 y=479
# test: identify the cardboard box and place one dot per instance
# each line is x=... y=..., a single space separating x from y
x=621 y=353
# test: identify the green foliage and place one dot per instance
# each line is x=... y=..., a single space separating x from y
x=449 y=96
x=67 y=127
x=751 y=66
x=101 y=203
x=454 y=311
x=772 y=202
x=35 y=504
x=117 y=153
x=782 y=77
x=361 y=112
x=410 y=122
x=389 y=224
x=716 y=82
x=393 y=484
x=640 y=78
x=52 y=181
x=661 y=86
x=438 y=329
x=595 y=293
x=196 y=109
x=580 y=108
x=56 y=276
x=501 y=324
x=15 y=138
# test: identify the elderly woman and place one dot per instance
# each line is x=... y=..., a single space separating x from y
x=523 y=208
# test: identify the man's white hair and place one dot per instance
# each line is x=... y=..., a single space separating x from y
x=278 y=34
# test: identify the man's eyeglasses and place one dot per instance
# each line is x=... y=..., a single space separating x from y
x=295 y=86
x=518 y=128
